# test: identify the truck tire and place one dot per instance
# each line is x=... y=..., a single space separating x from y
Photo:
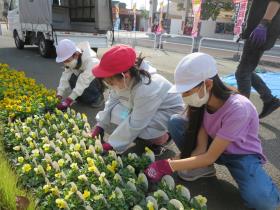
x=18 y=42
x=45 y=47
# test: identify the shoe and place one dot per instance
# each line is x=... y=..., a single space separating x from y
x=157 y=149
x=269 y=107
x=160 y=149
x=99 y=103
x=195 y=174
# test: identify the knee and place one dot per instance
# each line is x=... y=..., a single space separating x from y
x=176 y=127
x=261 y=199
x=174 y=122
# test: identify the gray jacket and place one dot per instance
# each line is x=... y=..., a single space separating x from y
x=149 y=107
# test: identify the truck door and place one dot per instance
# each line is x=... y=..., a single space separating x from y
x=13 y=16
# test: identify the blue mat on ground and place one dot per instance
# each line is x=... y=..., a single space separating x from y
x=272 y=80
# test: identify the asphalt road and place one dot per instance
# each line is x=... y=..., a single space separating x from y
x=221 y=191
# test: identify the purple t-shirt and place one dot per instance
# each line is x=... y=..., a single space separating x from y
x=236 y=121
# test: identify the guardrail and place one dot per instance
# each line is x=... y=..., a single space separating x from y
x=218 y=40
x=177 y=36
x=154 y=38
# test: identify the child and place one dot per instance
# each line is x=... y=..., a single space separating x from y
x=139 y=103
x=78 y=62
x=230 y=120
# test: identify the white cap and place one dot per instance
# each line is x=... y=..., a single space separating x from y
x=65 y=49
x=192 y=70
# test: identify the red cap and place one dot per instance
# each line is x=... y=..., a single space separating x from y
x=118 y=59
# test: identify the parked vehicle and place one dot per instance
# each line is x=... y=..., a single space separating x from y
x=45 y=22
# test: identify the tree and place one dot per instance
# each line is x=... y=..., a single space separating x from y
x=211 y=9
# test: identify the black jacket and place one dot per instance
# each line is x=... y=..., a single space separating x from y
x=256 y=13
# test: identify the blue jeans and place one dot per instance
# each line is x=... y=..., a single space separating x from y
x=255 y=185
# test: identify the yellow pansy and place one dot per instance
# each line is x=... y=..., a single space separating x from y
x=49 y=167
x=90 y=161
x=201 y=200
x=77 y=147
x=150 y=205
x=47 y=188
x=46 y=147
x=55 y=191
x=62 y=204
x=68 y=195
x=26 y=168
x=61 y=162
x=74 y=166
x=20 y=159
x=86 y=194
x=92 y=168
x=35 y=153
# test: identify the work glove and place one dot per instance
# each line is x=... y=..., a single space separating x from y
x=258 y=36
x=65 y=104
x=158 y=169
x=107 y=147
x=97 y=131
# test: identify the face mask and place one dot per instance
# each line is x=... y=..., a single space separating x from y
x=116 y=88
x=72 y=64
x=194 y=99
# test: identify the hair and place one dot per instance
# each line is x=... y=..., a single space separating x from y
x=195 y=114
x=136 y=73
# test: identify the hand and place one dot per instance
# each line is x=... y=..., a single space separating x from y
x=258 y=36
x=65 y=104
x=97 y=131
x=158 y=169
x=107 y=147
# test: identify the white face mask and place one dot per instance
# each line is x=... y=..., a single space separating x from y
x=116 y=88
x=72 y=64
x=195 y=101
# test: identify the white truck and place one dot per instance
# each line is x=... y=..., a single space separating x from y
x=45 y=22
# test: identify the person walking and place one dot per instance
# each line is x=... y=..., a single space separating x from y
x=261 y=32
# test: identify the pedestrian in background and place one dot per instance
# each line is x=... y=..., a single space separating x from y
x=261 y=32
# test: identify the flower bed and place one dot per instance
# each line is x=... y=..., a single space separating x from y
x=64 y=168
x=21 y=96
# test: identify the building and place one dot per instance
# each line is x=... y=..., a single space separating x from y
x=126 y=17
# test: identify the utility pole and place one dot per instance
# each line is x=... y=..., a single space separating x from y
x=152 y=11
x=167 y=10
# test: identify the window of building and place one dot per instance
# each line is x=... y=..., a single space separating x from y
x=224 y=28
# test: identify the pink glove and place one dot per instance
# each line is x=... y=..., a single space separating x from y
x=65 y=104
x=158 y=169
x=97 y=131
x=107 y=147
